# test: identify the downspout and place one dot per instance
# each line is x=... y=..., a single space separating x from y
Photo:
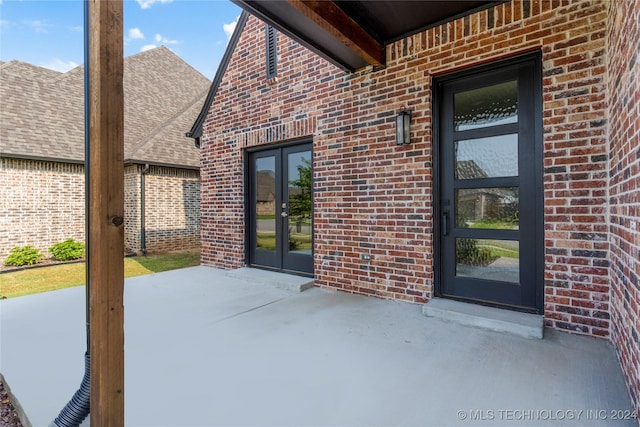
x=143 y=231
x=74 y=412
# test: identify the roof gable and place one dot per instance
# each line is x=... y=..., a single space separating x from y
x=196 y=128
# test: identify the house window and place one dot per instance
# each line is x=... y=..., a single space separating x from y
x=272 y=52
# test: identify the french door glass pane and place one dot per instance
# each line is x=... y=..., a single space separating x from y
x=488 y=259
x=487 y=106
x=265 y=180
x=493 y=208
x=491 y=157
x=299 y=202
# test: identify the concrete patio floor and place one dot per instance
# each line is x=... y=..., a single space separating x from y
x=205 y=347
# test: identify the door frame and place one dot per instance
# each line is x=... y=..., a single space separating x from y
x=438 y=209
x=248 y=213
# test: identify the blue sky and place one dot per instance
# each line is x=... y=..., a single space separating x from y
x=49 y=33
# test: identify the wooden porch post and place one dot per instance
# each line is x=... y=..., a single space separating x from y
x=106 y=212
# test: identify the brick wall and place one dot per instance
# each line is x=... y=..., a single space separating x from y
x=172 y=209
x=42 y=203
x=374 y=197
x=624 y=187
x=132 y=242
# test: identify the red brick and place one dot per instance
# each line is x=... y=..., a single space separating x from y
x=583 y=102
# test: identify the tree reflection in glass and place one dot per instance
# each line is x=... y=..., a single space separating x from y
x=300 y=202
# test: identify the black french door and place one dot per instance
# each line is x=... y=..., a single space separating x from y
x=490 y=185
x=280 y=209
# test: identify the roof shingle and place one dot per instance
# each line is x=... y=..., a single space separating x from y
x=42 y=110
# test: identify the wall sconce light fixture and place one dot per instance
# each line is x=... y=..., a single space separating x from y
x=403 y=127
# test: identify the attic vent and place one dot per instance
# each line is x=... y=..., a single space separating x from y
x=272 y=53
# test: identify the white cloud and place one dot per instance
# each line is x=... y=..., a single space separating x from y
x=38 y=26
x=135 y=33
x=228 y=28
x=147 y=47
x=60 y=65
x=78 y=29
x=164 y=40
x=146 y=4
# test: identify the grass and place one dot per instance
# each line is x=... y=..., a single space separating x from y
x=265 y=216
x=495 y=225
x=267 y=240
x=500 y=250
x=502 y=253
x=44 y=279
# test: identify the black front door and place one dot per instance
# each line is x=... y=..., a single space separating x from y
x=490 y=195
x=280 y=209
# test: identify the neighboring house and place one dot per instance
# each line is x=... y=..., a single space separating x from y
x=546 y=93
x=265 y=194
x=498 y=206
x=42 y=154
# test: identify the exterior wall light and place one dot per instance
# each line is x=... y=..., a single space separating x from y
x=403 y=127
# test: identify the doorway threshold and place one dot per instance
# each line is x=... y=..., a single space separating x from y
x=288 y=282
x=495 y=319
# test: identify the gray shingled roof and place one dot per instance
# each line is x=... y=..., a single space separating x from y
x=469 y=169
x=42 y=110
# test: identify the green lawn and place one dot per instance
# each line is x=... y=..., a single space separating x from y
x=45 y=279
x=265 y=216
x=267 y=240
x=499 y=249
x=495 y=224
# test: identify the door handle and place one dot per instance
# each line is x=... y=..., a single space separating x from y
x=284 y=214
x=445 y=224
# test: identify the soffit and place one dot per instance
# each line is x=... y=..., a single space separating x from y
x=353 y=33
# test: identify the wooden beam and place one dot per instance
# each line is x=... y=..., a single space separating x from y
x=106 y=212
x=340 y=25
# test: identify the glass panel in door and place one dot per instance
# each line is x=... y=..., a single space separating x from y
x=486 y=106
x=265 y=203
x=300 y=203
x=488 y=259
x=493 y=208
x=489 y=157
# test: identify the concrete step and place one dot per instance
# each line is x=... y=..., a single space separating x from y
x=288 y=282
x=491 y=318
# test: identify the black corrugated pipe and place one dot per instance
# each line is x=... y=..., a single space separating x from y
x=77 y=409
x=143 y=230
x=74 y=412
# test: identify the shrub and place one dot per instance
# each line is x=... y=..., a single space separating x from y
x=468 y=252
x=23 y=255
x=67 y=250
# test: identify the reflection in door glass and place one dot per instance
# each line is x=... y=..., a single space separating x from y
x=299 y=224
x=491 y=157
x=494 y=208
x=265 y=180
x=488 y=259
x=487 y=106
